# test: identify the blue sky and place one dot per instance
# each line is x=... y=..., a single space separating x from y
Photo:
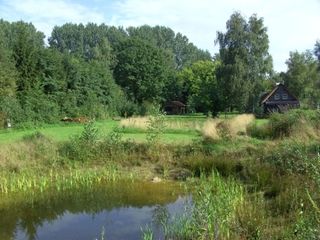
x=292 y=24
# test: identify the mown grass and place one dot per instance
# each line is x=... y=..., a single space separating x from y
x=62 y=132
x=57 y=132
x=183 y=129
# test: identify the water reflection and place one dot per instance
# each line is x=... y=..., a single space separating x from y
x=120 y=208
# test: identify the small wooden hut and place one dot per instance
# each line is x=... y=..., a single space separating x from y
x=175 y=108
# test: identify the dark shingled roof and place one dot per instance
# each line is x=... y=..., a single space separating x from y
x=266 y=96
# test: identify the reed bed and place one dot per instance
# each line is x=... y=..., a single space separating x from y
x=211 y=216
x=57 y=180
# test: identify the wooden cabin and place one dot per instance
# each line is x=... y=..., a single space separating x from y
x=279 y=100
x=175 y=108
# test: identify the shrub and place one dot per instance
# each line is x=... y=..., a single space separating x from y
x=294 y=123
x=82 y=147
x=156 y=127
x=258 y=131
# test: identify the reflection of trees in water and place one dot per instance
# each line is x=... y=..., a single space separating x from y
x=29 y=214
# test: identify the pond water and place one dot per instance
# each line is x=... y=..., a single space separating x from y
x=116 y=210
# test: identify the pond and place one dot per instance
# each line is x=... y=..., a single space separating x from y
x=110 y=211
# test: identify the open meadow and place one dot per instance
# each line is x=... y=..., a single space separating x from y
x=178 y=129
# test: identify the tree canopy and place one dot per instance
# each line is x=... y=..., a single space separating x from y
x=99 y=70
x=245 y=61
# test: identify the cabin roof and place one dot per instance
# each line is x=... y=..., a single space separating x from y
x=266 y=96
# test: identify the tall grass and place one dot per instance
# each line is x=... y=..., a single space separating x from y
x=210 y=129
x=170 y=123
x=216 y=203
x=227 y=128
x=301 y=124
x=135 y=122
x=213 y=214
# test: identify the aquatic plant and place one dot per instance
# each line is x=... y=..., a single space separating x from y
x=147 y=233
x=57 y=179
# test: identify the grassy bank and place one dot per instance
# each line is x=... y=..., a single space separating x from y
x=248 y=182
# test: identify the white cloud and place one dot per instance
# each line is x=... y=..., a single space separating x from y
x=45 y=14
x=292 y=24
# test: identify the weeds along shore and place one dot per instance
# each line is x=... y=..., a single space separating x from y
x=259 y=182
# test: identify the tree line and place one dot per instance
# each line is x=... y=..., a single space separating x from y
x=99 y=70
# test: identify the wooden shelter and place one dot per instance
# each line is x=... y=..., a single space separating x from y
x=279 y=100
x=175 y=108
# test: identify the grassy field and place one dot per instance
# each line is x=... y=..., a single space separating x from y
x=63 y=131
x=180 y=129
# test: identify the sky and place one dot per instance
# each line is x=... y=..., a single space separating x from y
x=293 y=25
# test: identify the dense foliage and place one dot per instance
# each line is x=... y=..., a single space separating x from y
x=245 y=60
x=98 y=71
x=87 y=70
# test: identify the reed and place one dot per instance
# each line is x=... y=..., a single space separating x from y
x=212 y=214
x=58 y=179
x=216 y=203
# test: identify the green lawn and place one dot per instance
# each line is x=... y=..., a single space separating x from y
x=183 y=130
x=57 y=132
x=62 y=132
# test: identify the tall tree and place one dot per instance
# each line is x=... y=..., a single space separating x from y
x=8 y=73
x=183 y=52
x=317 y=50
x=26 y=44
x=142 y=70
x=260 y=61
x=89 y=42
x=303 y=78
x=201 y=85
x=245 y=61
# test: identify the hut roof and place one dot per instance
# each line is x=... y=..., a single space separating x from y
x=266 y=96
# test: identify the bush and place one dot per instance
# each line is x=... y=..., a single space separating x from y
x=82 y=147
x=294 y=123
x=259 y=131
x=12 y=109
